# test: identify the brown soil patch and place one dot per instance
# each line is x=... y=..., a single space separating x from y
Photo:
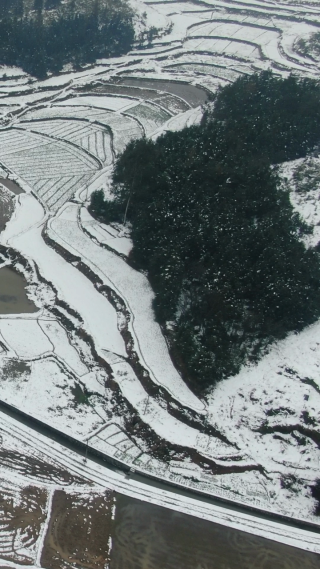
x=151 y=537
x=41 y=470
x=21 y=517
x=79 y=530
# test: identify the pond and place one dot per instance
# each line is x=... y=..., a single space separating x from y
x=152 y=537
x=13 y=297
x=11 y=185
x=193 y=95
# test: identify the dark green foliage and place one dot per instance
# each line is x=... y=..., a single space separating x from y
x=280 y=119
x=13 y=6
x=40 y=44
x=38 y=5
x=291 y=482
x=52 y=4
x=310 y=46
x=104 y=210
x=219 y=239
x=81 y=395
x=315 y=491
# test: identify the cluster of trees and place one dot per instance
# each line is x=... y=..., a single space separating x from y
x=310 y=46
x=315 y=491
x=45 y=35
x=214 y=229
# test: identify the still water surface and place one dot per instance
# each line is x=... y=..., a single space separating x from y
x=152 y=537
x=13 y=298
x=11 y=185
x=190 y=93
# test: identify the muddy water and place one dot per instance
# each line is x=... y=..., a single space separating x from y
x=193 y=95
x=169 y=101
x=151 y=537
x=119 y=89
x=11 y=185
x=13 y=298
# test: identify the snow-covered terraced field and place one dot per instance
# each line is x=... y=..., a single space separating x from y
x=117 y=239
x=101 y=102
x=58 y=138
x=123 y=128
x=92 y=138
x=132 y=287
x=149 y=116
x=204 y=69
x=54 y=170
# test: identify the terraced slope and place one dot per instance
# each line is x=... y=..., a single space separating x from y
x=115 y=386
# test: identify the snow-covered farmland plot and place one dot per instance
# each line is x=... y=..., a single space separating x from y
x=238 y=49
x=48 y=391
x=134 y=288
x=123 y=128
x=150 y=116
x=119 y=240
x=39 y=337
x=234 y=30
x=170 y=103
x=204 y=69
x=115 y=103
x=237 y=17
x=92 y=138
x=23 y=233
x=225 y=64
x=54 y=170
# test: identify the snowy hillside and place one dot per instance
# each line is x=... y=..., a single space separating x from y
x=92 y=361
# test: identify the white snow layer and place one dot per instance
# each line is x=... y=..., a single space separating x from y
x=23 y=232
x=134 y=288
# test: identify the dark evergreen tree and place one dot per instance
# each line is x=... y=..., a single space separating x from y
x=214 y=230
x=18 y=9
x=97 y=202
x=5 y=6
x=38 y=5
x=39 y=43
x=315 y=491
x=52 y=4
